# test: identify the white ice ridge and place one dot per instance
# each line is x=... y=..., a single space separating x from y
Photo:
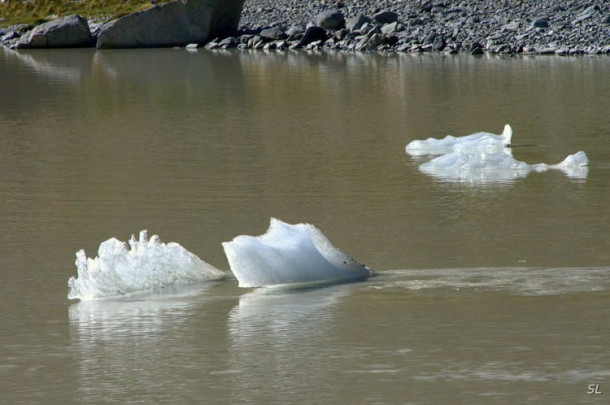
x=290 y=254
x=477 y=141
x=497 y=166
x=148 y=265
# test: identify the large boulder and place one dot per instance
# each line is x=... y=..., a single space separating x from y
x=331 y=20
x=355 y=23
x=313 y=33
x=65 y=32
x=172 y=24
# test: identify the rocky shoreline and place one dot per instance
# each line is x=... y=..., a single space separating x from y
x=451 y=26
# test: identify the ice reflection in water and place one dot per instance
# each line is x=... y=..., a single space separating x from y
x=102 y=319
x=126 y=347
x=72 y=68
x=277 y=328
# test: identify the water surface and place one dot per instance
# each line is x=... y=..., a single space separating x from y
x=488 y=293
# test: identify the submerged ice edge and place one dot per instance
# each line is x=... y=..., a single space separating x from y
x=485 y=158
x=290 y=255
x=144 y=266
x=526 y=281
x=484 y=167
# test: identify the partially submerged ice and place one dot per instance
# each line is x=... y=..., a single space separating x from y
x=149 y=264
x=477 y=141
x=497 y=166
x=290 y=255
x=484 y=157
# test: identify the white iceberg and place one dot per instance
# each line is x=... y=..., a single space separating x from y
x=290 y=255
x=148 y=265
x=480 y=141
x=497 y=166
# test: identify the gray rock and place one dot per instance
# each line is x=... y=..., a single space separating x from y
x=521 y=36
x=439 y=43
x=415 y=22
x=172 y=24
x=330 y=20
x=313 y=33
x=212 y=44
x=294 y=31
x=589 y=12
x=270 y=46
x=245 y=38
x=66 y=32
x=476 y=48
x=273 y=33
x=370 y=42
x=438 y=8
x=254 y=40
x=314 y=45
x=426 y=6
x=548 y=50
x=430 y=38
x=10 y=35
x=541 y=22
x=389 y=28
x=259 y=45
x=499 y=48
x=511 y=26
x=227 y=43
x=404 y=47
x=341 y=34
x=385 y=17
x=356 y=23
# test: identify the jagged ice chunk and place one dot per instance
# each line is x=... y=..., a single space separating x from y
x=147 y=265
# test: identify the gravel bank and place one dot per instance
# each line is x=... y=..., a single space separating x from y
x=495 y=26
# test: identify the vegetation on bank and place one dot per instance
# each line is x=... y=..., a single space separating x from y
x=34 y=12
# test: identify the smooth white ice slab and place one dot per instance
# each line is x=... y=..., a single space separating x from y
x=147 y=265
x=480 y=141
x=290 y=254
x=497 y=166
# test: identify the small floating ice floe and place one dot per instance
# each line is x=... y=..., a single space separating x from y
x=480 y=141
x=295 y=255
x=148 y=265
x=497 y=166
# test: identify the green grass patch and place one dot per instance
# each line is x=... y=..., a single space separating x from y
x=34 y=12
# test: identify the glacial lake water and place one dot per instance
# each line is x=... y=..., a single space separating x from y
x=487 y=291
